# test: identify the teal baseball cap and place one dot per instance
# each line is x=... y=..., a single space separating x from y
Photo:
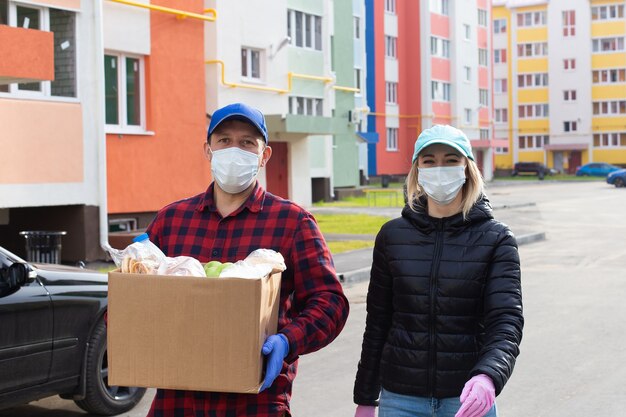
x=446 y=135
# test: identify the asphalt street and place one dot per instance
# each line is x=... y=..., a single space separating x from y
x=574 y=284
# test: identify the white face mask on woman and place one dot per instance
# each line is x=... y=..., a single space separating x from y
x=442 y=184
x=234 y=169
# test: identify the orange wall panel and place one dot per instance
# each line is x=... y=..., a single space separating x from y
x=440 y=69
x=41 y=142
x=27 y=54
x=147 y=172
x=439 y=24
x=483 y=77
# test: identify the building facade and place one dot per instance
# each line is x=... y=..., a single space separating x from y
x=429 y=64
x=563 y=64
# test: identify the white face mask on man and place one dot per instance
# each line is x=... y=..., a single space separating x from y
x=234 y=169
x=442 y=184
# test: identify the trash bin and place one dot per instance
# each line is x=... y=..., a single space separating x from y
x=43 y=246
x=385 y=180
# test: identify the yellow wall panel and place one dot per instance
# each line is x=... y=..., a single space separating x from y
x=534 y=126
x=532 y=95
x=500 y=12
x=504 y=161
x=532 y=65
x=532 y=8
x=601 y=2
x=539 y=34
x=611 y=156
x=530 y=156
x=608 y=124
x=609 y=28
x=612 y=60
x=608 y=92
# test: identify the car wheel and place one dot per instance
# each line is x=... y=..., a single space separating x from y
x=100 y=398
x=619 y=183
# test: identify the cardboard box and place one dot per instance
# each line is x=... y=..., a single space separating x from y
x=190 y=333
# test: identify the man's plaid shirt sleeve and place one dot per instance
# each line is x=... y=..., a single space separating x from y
x=318 y=296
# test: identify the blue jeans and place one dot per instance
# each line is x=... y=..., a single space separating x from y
x=397 y=405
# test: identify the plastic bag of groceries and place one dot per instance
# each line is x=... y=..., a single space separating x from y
x=257 y=264
x=144 y=257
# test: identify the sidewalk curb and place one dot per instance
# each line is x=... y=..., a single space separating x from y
x=363 y=274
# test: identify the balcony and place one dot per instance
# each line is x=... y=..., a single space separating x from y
x=27 y=55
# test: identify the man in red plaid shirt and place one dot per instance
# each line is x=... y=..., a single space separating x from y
x=231 y=219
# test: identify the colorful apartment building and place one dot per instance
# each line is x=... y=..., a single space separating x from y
x=297 y=67
x=428 y=63
x=103 y=116
x=559 y=77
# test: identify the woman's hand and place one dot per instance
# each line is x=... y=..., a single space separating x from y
x=477 y=397
x=365 y=411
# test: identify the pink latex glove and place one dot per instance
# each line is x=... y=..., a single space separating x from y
x=365 y=411
x=477 y=397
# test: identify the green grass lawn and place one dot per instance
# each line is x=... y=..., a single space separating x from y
x=374 y=200
x=350 y=223
x=348 y=245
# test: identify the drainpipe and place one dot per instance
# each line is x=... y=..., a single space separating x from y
x=99 y=123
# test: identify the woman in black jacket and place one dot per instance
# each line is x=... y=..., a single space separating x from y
x=444 y=305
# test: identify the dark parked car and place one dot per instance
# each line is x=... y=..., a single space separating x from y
x=534 y=168
x=53 y=337
x=597 y=169
x=617 y=178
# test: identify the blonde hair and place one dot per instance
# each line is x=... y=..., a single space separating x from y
x=471 y=191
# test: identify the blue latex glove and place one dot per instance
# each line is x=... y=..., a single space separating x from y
x=276 y=348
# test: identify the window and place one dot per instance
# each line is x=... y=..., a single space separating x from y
x=499 y=56
x=439 y=47
x=357 y=79
x=390 y=6
x=440 y=91
x=304 y=30
x=468 y=31
x=539 y=79
x=499 y=26
x=500 y=85
x=124 y=91
x=608 y=76
x=569 y=95
x=307 y=106
x=501 y=150
x=531 y=19
x=532 y=111
x=251 y=63
x=482 y=17
x=391 y=43
x=468 y=73
x=392 y=139
x=607 y=44
x=569 y=23
x=440 y=7
x=467 y=119
x=391 y=92
x=534 y=49
x=609 y=140
x=482 y=57
x=357 y=27
x=483 y=97
x=501 y=115
x=570 y=126
x=569 y=64
x=484 y=133
x=533 y=141
x=608 y=12
x=63 y=26
x=609 y=108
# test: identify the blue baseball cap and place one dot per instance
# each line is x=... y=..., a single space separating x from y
x=446 y=135
x=238 y=111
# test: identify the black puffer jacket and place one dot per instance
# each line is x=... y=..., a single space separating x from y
x=444 y=304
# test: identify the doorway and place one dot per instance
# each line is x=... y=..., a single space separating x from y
x=277 y=170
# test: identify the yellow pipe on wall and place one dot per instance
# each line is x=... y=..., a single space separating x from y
x=181 y=14
x=290 y=77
